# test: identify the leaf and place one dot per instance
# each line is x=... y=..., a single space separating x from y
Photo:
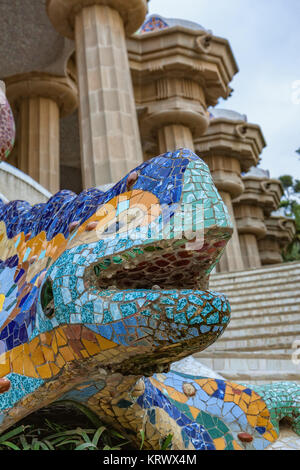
x=72 y=432
x=111 y=448
x=116 y=434
x=124 y=444
x=10 y=445
x=142 y=433
x=287 y=181
x=44 y=446
x=50 y=446
x=86 y=445
x=12 y=433
x=62 y=439
x=167 y=442
x=35 y=444
x=85 y=437
x=70 y=441
x=97 y=435
x=24 y=443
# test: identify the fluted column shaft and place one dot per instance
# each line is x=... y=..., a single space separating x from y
x=250 y=251
x=173 y=137
x=232 y=259
x=110 y=141
x=38 y=143
x=251 y=227
x=226 y=173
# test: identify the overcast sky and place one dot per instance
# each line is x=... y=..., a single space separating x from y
x=265 y=38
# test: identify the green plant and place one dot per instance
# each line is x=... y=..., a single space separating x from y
x=53 y=435
x=30 y=438
x=290 y=204
x=142 y=433
x=49 y=435
x=167 y=442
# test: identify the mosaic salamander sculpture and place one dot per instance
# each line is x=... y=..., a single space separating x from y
x=101 y=292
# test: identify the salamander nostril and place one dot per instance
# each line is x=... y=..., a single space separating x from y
x=245 y=437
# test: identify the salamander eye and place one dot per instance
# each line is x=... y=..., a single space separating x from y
x=132 y=179
x=47 y=299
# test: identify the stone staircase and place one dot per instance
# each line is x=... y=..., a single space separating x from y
x=257 y=346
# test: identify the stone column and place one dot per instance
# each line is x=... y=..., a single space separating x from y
x=177 y=73
x=230 y=147
x=232 y=259
x=110 y=141
x=250 y=252
x=251 y=228
x=226 y=172
x=38 y=137
x=40 y=100
x=261 y=196
x=173 y=137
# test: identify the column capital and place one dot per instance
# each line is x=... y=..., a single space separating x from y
x=250 y=220
x=260 y=191
x=230 y=147
x=281 y=228
x=280 y=233
x=176 y=76
x=62 y=13
x=232 y=136
x=175 y=112
x=62 y=90
x=226 y=171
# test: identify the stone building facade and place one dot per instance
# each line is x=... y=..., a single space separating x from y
x=96 y=88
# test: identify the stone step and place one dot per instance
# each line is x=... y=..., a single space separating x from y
x=253 y=364
x=263 y=287
x=259 y=312
x=249 y=306
x=280 y=295
x=259 y=282
x=276 y=319
x=279 y=354
x=253 y=370
x=257 y=331
x=260 y=272
x=239 y=278
x=256 y=343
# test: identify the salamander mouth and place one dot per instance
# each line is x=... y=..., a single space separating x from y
x=176 y=264
x=153 y=298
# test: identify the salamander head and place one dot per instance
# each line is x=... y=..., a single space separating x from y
x=125 y=271
x=135 y=272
